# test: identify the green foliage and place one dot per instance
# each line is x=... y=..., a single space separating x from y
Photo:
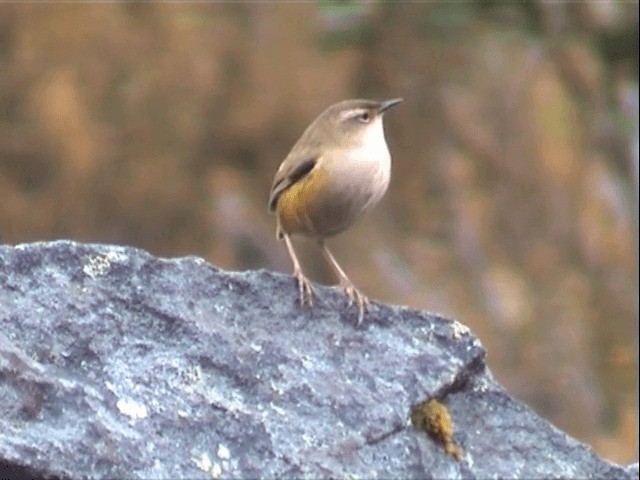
x=345 y=25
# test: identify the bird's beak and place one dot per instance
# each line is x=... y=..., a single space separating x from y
x=386 y=104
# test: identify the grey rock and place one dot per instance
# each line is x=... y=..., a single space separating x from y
x=117 y=364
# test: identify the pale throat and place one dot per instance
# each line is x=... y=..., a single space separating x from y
x=372 y=147
x=367 y=159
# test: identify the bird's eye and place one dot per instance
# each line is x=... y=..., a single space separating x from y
x=364 y=117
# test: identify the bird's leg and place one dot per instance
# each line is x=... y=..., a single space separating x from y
x=347 y=285
x=304 y=285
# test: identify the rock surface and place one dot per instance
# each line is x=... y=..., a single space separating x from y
x=117 y=364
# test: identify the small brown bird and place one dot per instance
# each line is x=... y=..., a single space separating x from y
x=337 y=171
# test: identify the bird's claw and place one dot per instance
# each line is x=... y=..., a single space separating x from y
x=355 y=296
x=304 y=288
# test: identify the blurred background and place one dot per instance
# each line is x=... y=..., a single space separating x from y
x=513 y=205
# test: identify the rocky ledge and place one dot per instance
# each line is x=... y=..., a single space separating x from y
x=117 y=364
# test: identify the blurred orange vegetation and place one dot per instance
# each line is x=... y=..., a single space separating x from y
x=513 y=205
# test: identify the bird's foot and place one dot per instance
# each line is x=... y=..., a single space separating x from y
x=304 y=288
x=357 y=297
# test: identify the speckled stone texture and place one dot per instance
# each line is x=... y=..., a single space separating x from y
x=117 y=364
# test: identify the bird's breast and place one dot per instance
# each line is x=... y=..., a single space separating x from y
x=351 y=183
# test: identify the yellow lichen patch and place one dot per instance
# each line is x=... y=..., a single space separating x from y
x=434 y=418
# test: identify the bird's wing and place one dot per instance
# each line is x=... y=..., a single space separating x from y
x=293 y=169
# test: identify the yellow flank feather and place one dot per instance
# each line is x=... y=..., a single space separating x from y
x=291 y=209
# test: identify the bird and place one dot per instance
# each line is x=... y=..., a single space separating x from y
x=338 y=170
